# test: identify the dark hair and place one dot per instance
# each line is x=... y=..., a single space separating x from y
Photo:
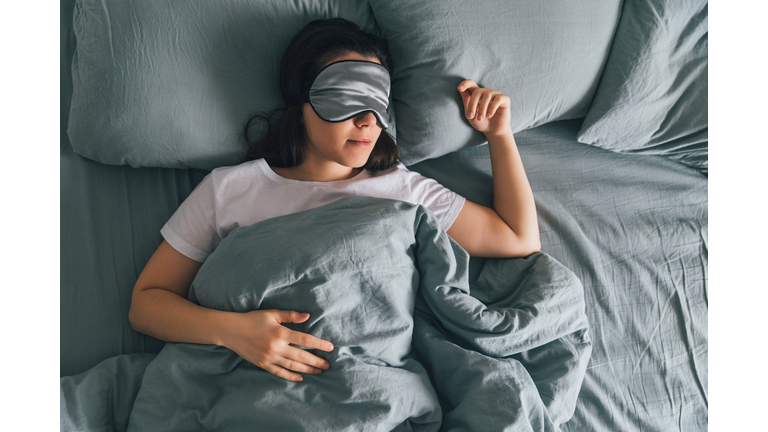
x=310 y=50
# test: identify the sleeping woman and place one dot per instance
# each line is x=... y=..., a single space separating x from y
x=329 y=144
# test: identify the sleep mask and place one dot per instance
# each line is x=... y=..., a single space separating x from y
x=348 y=88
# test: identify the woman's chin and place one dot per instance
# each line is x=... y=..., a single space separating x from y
x=358 y=159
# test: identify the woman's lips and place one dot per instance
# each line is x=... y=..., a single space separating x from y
x=363 y=143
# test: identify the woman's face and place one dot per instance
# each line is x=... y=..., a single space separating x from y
x=348 y=143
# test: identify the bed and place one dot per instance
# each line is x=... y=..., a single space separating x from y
x=610 y=117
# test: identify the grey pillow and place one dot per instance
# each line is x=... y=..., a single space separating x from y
x=163 y=83
x=652 y=98
x=546 y=56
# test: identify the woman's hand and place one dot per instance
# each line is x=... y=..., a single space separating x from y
x=486 y=109
x=159 y=308
x=259 y=338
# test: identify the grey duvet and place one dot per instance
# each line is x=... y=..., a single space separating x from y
x=415 y=347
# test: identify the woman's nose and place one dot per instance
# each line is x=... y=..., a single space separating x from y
x=366 y=119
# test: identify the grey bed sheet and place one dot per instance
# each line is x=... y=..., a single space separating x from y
x=632 y=228
x=109 y=221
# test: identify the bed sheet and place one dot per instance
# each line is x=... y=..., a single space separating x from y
x=110 y=218
x=634 y=229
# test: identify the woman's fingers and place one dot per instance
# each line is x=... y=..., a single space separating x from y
x=264 y=342
x=308 y=341
x=498 y=100
x=294 y=361
x=290 y=369
x=282 y=372
x=481 y=104
x=296 y=366
x=466 y=85
x=474 y=102
x=313 y=362
x=466 y=89
x=288 y=316
x=485 y=101
x=299 y=338
x=288 y=362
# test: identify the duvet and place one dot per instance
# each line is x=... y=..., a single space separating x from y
x=415 y=348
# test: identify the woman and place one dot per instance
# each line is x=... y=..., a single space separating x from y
x=307 y=161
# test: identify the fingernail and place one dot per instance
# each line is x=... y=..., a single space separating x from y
x=470 y=115
x=329 y=347
x=317 y=371
x=304 y=315
x=299 y=379
x=326 y=365
x=479 y=116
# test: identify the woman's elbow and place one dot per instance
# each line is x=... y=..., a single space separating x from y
x=535 y=245
x=134 y=310
x=524 y=247
x=133 y=317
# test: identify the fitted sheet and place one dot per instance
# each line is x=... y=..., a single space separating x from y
x=633 y=228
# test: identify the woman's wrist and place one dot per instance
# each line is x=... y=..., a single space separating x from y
x=506 y=139
x=222 y=324
x=503 y=137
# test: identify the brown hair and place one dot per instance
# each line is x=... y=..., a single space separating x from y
x=310 y=50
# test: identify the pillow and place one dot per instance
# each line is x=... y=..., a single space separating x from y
x=162 y=83
x=546 y=56
x=652 y=98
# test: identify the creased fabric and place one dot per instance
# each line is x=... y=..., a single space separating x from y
x=363 y=268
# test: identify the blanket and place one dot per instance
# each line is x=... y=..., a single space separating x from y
x=414 y=348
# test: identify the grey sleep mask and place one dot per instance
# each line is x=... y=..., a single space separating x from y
x=346 y=89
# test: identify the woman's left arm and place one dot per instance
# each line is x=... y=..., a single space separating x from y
x=510 y=228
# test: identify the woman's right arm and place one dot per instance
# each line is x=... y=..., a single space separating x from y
x=159 y=308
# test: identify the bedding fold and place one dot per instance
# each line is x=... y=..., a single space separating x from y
x=415 y=347
x=101 y=398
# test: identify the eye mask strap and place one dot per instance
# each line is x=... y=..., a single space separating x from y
x=299 y=99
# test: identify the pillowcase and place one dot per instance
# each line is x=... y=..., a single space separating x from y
x=163 y=83
x=546 y=56
x=652 y=98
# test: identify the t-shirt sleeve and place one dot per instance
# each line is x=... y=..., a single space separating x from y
x=192 y=229
x=443 y=202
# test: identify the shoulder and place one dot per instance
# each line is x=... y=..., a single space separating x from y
x=224 y=183
x=242 y=174
x=248 y=167
x=411 y=181
x=399 y=172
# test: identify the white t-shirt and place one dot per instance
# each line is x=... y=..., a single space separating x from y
x=241 y=195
